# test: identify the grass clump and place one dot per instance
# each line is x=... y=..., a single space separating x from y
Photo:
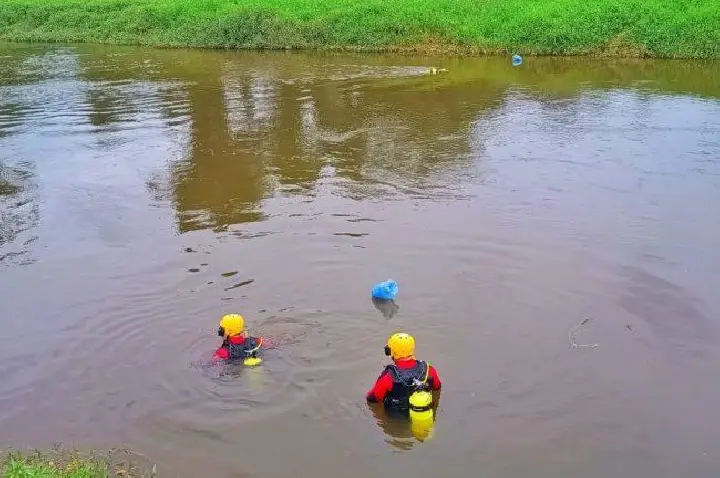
x=39 y=465
x=60 y=462
x=657 y=28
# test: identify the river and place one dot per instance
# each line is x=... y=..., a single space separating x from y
x=144 y=193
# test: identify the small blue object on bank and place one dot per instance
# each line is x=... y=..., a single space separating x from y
x=516 y=60
x=385 y=290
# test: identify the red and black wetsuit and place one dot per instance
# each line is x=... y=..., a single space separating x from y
x=239 y=347
x=398 y=381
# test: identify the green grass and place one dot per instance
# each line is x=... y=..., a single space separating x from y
x=44 y=466
x=657 y=28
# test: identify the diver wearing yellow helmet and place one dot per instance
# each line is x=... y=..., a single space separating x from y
x=237 y=344
x=406 y=377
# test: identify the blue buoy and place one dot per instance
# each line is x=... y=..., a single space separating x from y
x=516 y=60
x=385 y=290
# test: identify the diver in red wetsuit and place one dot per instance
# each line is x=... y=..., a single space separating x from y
x=404 y=376
x=237 y=344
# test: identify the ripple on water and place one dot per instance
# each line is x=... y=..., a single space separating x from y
x=502 y=276
x=209 y=397
x=101 y=357
x=219 y=397
x=15 y=379
x=345 y=72
x=19 y=211
x=61 y=106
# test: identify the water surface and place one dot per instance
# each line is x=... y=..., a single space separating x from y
x=144 y=193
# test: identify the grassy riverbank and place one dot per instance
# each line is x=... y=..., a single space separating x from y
x=17 y=465
x=64 y=463
x=658 y=28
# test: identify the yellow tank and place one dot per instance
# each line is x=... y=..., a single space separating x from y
x=252 y=361
x=422 y=417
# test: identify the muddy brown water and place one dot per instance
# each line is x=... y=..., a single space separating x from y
x=144 y=193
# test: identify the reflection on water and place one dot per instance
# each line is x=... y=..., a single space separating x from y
x=145 y=193
x=220 y=183
x=387 y=307
x=254 y=136
x=403 y=433
x=369 y=131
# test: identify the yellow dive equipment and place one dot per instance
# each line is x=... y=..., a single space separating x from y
x=252 y=360
x=422 y=417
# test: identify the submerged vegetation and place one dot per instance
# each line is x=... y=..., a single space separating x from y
x=657 y=28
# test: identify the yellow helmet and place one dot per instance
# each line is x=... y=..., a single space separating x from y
x=400 y=345
x=230 y=325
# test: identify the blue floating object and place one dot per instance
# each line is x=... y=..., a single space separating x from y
x=385 y=290
x=516 y=60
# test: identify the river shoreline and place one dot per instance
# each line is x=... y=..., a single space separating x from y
x=60 y=461
x=629 y=29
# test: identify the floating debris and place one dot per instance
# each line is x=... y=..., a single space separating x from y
x=386 y=290
x=351 y=234
x=571 y=334
x=240 y=284
x=363 y=219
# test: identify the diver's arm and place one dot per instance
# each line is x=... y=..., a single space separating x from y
x=436 y=399
x=223 y=353
x=434 y=378
x=382 y=387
